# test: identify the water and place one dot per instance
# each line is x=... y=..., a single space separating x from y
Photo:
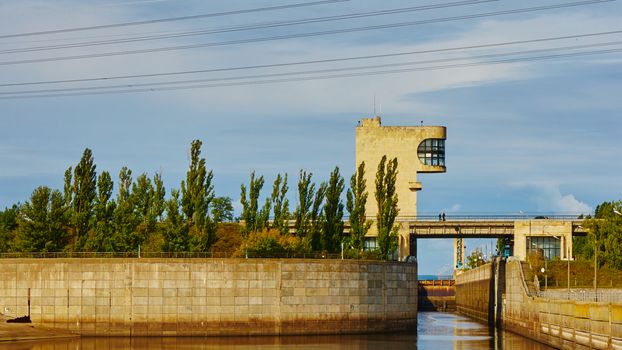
x=435 y=331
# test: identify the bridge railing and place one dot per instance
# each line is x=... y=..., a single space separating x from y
x=490 y=217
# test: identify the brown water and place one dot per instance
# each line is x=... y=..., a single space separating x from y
x=435 y=331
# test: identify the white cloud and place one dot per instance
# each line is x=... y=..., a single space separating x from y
x=548 y=198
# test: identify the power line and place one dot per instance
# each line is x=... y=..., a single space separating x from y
x=329 y=60
x=171 y=19
x=322 y=77
x=320 y=71
x=308 y=34
x=244 y=27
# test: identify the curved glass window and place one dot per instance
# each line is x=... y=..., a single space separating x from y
x=432 y=152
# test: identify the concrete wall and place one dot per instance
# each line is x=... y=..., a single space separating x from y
x=473 y=292
x=559 y=323
x=210 y=296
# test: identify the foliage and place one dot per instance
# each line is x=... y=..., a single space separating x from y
x=280 y=204
x=604 y=236
x=176 y=230
x=197 y=194
x=101 y=238
x=332 y=233
x=8 y=224
x=229 y=239
x=356 y=199
x=43 y=222
x=125 y=219
x=83 y=193
x=222 y=209
x=386 y=198
x=255 y=219
x=302 y=214
x=271 y=244
x=475 y=259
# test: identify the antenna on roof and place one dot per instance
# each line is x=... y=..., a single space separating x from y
x=375 y=105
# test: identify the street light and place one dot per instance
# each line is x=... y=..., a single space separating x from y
x=615 y=211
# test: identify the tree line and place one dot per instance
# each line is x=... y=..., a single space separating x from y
x=87 y=215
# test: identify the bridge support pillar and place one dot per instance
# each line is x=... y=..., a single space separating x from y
x=458 y=253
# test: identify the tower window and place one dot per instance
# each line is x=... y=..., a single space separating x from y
x=432 y=152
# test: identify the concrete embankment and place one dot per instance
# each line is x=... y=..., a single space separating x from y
x=136 y=297
x=564 y=324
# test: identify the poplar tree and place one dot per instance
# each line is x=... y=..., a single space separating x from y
x=84 y=192
x=332 y=233
x=159 y=201
x=102 y=238
x=386 y=198
x=143 y=193
x=255 y=219
x=316 y=217
x=302 y=214
x=280 y=204
x=125 y=218
x=42 y=223
x=197 y=191
x=197 y=194
x=177 y=236
x=356 y=199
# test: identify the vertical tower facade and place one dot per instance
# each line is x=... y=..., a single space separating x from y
x=418 y=149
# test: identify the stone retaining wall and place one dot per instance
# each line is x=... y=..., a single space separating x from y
x=473 y=292
x=560 y=323
x=136 y=297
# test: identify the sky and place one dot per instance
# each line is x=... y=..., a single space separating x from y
x=531 y=127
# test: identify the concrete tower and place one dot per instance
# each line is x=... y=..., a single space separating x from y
x=418 y=149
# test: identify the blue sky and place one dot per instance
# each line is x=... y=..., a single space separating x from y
x=539 y=136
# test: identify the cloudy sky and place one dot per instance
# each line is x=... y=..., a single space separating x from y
x=529 y=92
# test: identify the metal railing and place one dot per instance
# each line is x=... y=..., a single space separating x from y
x=177 y=255
x=583 y=294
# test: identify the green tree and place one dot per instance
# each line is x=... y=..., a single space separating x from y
x=102 y=237
x=8 y=226
x=143 y=193
x=84 y=192
x=255 y=219
x=43 y=222
x=126 y=219
x=280 y=204
x=332 y=234
x=386 y=198
x=177 y=236
x=159 y=201
x=302 y=214
x=197 y=194
x=317 y=219
x=222 y=209
x=356 y=199
x=475 y=259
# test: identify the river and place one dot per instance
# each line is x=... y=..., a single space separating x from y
x=435 y=331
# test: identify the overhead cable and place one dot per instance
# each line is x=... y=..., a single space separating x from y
x=300 y=35
x=242 y=27
x=171 y=19
x=319 y=61
x=318 y=77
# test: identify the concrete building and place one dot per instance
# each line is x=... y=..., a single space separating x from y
x=418 y=149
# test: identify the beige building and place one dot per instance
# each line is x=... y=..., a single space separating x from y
x=418 y=149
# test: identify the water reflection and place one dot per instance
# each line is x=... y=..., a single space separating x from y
x=435 y=331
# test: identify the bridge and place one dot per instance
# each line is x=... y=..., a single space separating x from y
x=548 y=233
